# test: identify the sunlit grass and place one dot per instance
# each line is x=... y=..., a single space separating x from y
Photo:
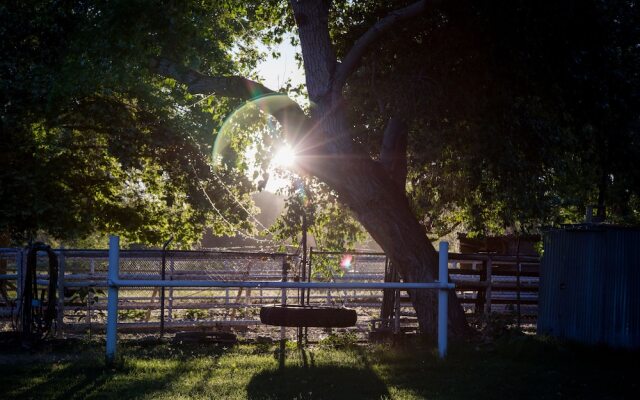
x=514 y=368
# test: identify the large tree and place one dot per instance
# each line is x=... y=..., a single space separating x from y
x=326 y=149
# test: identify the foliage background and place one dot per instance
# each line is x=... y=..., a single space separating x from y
x=520 y=115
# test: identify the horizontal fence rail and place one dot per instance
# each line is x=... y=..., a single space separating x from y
x=282 y=285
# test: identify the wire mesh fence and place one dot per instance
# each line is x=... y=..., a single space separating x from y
x=346 y=267
x=184 y=307
x=84 y=308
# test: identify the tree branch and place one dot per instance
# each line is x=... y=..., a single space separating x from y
x=353 y=58
x=301 y=133
x=285 y=110
x=198 y=83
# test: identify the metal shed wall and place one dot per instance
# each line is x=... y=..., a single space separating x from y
x=590 y=285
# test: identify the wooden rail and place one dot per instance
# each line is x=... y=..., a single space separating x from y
x=496 y=280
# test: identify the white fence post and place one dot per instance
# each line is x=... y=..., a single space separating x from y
x=112 y=302
x=443 y=299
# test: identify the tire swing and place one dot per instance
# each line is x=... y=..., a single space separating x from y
x=305 y=315
x=308 y=316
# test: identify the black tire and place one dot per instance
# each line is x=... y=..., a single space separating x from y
x=317 y=317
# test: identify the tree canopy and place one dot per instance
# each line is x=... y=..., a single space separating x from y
x=94 y=141
x=519 y=114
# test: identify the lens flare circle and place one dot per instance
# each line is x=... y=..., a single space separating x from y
x=251 y=116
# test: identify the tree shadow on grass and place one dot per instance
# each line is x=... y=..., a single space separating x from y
x=90 y=379
x=309 y=381
x=522 y=368
x=327 y=382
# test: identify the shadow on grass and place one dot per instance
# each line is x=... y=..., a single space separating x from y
x=149 y=372
x=326 y=382
x=517 y=367
x=520 y=368
x=86 y=382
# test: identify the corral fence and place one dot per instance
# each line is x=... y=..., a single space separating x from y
x=485 y=283
x=115 y=282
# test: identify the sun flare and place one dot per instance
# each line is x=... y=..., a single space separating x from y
x=285 y=157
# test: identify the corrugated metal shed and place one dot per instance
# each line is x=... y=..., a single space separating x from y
x=590 y=285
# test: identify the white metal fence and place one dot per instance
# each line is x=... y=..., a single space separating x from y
x=485 y=283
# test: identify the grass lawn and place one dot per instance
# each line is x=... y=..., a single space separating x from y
x=514 y=367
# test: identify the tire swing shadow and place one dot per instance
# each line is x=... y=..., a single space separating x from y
x=309 y=381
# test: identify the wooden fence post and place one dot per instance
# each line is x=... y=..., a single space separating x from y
x=518 y=296
x=89 y=316
x=20 y=279
x=488 y=279
x=60 y=315
x=170 y=307
x=481 y=296
x=396 y=307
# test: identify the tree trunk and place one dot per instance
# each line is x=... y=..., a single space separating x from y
x=363 y=184
x=383 y=209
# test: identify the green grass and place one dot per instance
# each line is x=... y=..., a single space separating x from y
x=514 y=367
